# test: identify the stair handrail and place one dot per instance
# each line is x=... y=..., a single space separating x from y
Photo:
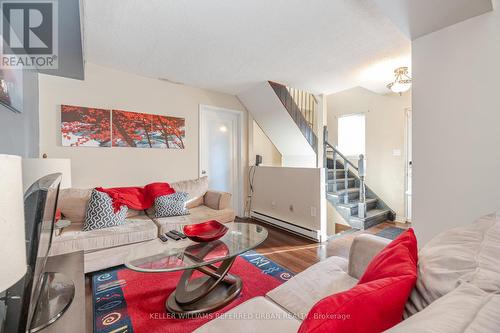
x=327 y=145
x=360 y=174
x=360 y=170
x=342 y=156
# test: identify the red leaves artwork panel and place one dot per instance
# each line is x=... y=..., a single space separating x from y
x=171 y=130
x=85 y=127
x=131 y=129
x=82 y=126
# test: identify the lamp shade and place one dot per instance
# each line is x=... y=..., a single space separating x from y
x=12 y=234
x=36 y=168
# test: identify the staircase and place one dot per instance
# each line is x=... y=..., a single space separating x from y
x=347 y=192
x=301 y=106
x=288 y=118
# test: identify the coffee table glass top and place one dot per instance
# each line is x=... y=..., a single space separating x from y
x=158 y=256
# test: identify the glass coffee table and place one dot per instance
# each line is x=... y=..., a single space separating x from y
x=216 y=287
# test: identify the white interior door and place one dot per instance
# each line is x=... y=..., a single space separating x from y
x=408 y=190
x=220 y=151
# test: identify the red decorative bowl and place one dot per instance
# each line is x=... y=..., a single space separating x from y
x=205 y=232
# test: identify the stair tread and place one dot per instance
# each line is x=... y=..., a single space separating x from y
x=349 y=190
x=330 y=181
x=371 y=214
x=354 y=203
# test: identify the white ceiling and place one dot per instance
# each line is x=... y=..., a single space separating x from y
x=322 y=46
x=417 y=18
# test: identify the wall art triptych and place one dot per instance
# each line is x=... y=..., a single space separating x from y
x=91 y=127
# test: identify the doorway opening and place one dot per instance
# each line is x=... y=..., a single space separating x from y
x=221 y=150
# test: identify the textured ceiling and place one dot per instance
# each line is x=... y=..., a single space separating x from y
x=417 y=18
x=319 y=45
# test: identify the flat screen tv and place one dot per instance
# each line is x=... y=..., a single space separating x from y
x=21 y=300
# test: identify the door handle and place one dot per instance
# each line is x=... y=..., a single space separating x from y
x=203 y=172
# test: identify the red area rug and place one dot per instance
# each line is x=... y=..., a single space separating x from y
x=129 y=301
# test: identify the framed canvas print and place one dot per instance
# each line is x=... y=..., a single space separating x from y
x=133 y=129
x=170 y=131
x=85 y=127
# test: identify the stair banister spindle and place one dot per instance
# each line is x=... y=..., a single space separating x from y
x=362 y=188
x=335 y=169
x=346 y=182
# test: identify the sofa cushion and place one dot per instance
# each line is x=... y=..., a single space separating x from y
x=101 y=214
x=363 y=249
x=466 y=309
x=134 y=230
x=255 y=315
x=217 y=200
x=133 y=213
x=171 y=205
x=196 y=215
x=73 y=203
x=196 y=189
x=300 y=293
x=469 y=253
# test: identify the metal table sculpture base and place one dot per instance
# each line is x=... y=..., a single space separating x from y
x=56 y=296
x=205 y=294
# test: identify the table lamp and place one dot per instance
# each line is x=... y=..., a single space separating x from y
x=12 y=234
x=36 y=168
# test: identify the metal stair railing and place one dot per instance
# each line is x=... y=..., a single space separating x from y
x=359 y=171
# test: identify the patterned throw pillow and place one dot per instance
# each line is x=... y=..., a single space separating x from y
x=100 y=212
x=171 y=205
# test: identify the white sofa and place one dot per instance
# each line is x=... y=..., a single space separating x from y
x=109 y=247
x=458 y=288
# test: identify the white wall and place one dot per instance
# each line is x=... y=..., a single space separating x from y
x=456 y=122
x=111 y=89
x=385 y=132
x=261 y=145
x=301 y=188
x=19 y=131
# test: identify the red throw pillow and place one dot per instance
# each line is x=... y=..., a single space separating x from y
x=377 y=302
x=370 y=307
x=399 y=257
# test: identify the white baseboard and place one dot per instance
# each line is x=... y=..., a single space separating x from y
x=401 y=219
x=311 y=234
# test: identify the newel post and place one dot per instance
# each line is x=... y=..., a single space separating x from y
x=362 y=189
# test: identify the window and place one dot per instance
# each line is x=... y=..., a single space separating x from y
x=351 y=132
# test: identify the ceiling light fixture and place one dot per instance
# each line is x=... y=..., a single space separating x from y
x=402 y=82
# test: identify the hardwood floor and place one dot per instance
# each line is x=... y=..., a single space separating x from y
x=298 y=253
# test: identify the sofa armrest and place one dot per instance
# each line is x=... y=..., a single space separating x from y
x=363 y=249
x=217 y=200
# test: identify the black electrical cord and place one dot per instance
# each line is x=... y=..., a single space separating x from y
x=251 y=178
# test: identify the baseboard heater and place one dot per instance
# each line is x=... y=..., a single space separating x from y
x=308 y=233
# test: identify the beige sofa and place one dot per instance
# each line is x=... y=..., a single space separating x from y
x=109 y=247
x=458 y=288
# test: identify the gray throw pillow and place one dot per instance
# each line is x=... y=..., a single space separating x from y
x=171 y=205
x=100 y=212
